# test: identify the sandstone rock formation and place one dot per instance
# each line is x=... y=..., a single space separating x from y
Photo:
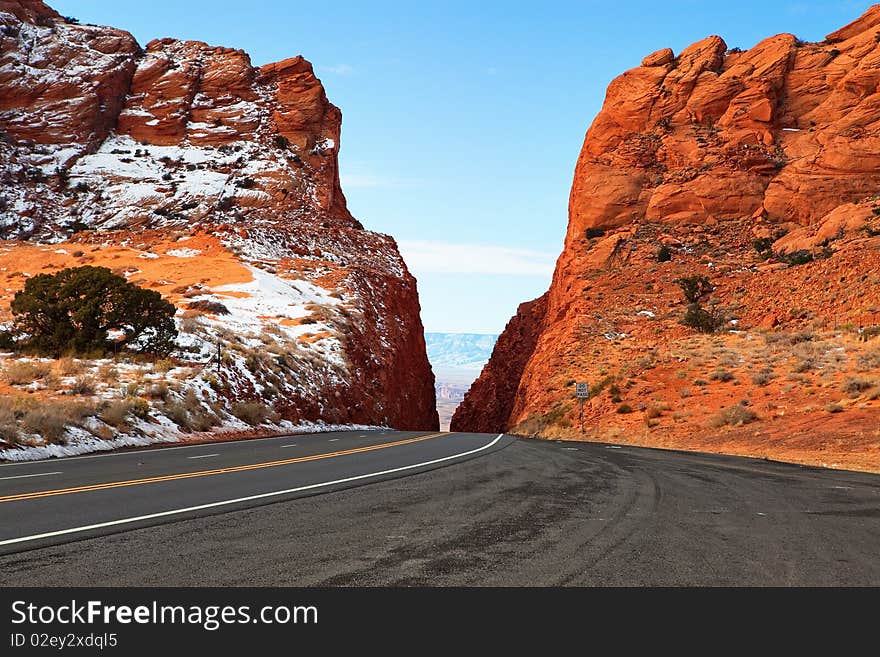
x=106 y=145
x=705 y=152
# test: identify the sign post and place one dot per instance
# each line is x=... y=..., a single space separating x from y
x=583 y=392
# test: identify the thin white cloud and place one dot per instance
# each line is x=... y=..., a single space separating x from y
x=338 y=69
x=423 y=256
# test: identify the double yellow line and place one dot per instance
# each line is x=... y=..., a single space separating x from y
x=208 y=473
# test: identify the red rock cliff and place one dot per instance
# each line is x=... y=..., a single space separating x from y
x=105 y=143
x=704 y=152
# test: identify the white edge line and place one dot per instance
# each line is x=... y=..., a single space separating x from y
x=39 y=474
x=202 y=456
x=249 y=498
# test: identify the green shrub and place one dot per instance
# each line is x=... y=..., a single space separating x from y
x=763 y=244
x=806 y=364
x=664 y=254
x=624 y=409
x=75 y=309
x=721 y=374
x=796 y=258
x=705 y=320
x=694 y=288
x=7 y=340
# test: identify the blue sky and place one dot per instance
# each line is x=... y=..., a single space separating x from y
x=462 y=121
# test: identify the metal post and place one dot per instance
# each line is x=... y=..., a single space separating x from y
x=582 y=415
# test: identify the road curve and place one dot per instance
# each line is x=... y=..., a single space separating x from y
x=532 y=513
x=56 y=501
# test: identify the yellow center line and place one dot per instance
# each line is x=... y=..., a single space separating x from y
x=207 y=473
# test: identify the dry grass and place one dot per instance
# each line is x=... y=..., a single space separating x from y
x=763 y=377
x=116 y=414
x=869 y=360
x=84 y=385
x=856 y=385
x=49 y=421
x=189 y=413
x=252 y=412
x=108 y=373
x=656 y=409
x=70 y=366
x=23 y=372
x=45 y=418
x=721 y=374
x=158 y=390
x=9 y=431
x=191 y=324
x=163 y=366
x=735 y=415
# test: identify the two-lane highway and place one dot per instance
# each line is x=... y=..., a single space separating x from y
x=507 y=512
x=47 y=502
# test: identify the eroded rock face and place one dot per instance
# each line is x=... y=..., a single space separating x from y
x=489 y=403
x=104 y=140
x=703 y=152
x=62 y=84
x=784 y=130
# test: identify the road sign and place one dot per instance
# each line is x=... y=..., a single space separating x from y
x=583 y=392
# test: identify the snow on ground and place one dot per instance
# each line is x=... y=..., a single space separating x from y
x=183 y=253
x=273 y=303
x=268 y=295
x=170 y=184
x=81 y=442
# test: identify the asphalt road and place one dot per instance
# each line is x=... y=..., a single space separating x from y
x=513 y=513
x=56 y=501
